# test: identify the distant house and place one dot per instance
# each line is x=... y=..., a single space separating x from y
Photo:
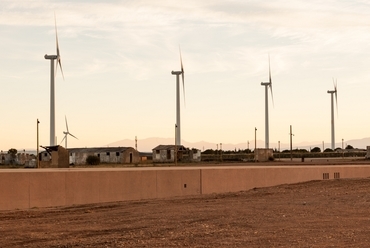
x=263 y=154
x=110 y=155
x=166 y=154
x=195 y=155
x=21 y=158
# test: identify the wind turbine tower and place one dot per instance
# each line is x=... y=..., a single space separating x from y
x=267 y=85
x=52 y=85
x=332 y=93
x=178 y=126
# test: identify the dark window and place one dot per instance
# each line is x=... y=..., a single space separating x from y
x=117 y=154
x=98 y=155
x=168 y=154
x=157 y=151
x=108 y=153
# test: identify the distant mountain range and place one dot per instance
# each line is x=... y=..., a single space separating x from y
x=146 y=145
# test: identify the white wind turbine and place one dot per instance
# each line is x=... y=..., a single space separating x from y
x=178 y=126
x=267 y=85
x=66 y=134
x=333 y=92
x=52 y=84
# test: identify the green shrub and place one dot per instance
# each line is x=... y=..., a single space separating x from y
x=93 y=160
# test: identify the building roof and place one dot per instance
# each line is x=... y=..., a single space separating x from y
x=50 y=149
x=99 y=149
x=169 y=147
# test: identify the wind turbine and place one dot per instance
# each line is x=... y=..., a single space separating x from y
x=66 y=134
x=332 y=93
x=267 y=85
x=52 y=83
x=178 y=73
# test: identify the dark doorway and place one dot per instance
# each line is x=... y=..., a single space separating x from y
x=130 y=158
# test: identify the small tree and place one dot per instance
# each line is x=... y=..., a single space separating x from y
x=328 y=150
x=208 y=151
x=93 y=160
x=316 y=149
x=349 y=147
x=13 y=154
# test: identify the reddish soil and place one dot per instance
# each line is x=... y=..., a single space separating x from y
x=330 y=213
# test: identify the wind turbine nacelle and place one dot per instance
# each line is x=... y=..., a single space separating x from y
x=50 y=56
x=176 y=72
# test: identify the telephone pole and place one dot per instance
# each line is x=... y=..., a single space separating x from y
x=37 y=157
x=291 y=145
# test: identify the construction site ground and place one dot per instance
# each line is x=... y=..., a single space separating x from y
x=325 y=213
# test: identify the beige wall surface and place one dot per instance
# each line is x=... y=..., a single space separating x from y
x=24 y=189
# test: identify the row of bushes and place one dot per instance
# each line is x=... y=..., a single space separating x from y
x=250 y=156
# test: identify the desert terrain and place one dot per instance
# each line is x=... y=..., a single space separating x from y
x=326 y=213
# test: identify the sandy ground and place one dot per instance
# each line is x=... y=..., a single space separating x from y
x=330 y=213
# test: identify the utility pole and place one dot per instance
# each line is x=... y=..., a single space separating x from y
x=175 y=155
x=37 y=157
x=136 y=143
x=255 y=143
x=342 y=148
x=279 y=150
x=221 y=151
x=255 y=138
x=291 y=141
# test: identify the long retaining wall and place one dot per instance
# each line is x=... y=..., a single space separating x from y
x=25 y=189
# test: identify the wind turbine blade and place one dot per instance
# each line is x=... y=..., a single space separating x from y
x=73 y=136
x=182 y=75
x=336 y=94
x=182 y=67
x=66 y=123
x=272 y=95
x=63 y=139
x=183 y=87
x=60 y=65
x=59 y=61
x=270 y=81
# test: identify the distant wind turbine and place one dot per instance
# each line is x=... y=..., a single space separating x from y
x=52 y=88
x=333 y=92
x=178 y=127
x=267 y=85
x=66 y=134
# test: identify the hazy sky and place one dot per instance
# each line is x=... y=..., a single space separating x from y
x=117 y=58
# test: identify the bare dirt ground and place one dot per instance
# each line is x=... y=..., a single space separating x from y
x=329 y=213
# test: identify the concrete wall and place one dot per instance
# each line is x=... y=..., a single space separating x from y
x=24 y=189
